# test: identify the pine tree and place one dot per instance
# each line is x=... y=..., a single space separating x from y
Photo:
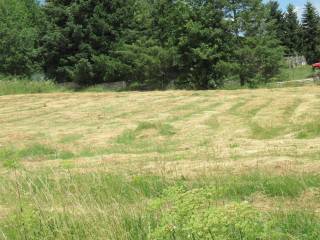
x=257 y=50
x=311 y=33
x=292 y=30
x=276 y=16
x=19 y=31
x=80 y=38
x=197 y=43
x=204 y=46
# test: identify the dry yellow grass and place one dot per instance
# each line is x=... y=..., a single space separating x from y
x=212 y=130
x=100 y=159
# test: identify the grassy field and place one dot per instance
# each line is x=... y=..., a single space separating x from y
x=10 y=86
x=240 y=164
x=299 y=73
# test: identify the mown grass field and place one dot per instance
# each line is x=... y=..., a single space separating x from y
x=240 y=164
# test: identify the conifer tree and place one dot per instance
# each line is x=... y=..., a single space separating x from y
x=311 y=33
x=292 y=31
x=19 y=31
x=276 y=16
x=80 y=38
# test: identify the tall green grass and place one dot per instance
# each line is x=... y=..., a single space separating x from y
x=309 y=130
x=67 y=205
x=10 y=155
x=10 y=86
x=299 y=73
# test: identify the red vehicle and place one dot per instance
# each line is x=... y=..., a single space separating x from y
x=316 y=75
x=316 y=65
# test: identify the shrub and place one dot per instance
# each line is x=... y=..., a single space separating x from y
x=193 y=215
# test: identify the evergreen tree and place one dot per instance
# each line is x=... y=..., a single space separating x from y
x=257 y=51
x=80 y=38
x=292 y=31
x=145 y=48
x=276 y=16
x=205 y=46
x=19 y=31
x=148 y=43
x=311 y=33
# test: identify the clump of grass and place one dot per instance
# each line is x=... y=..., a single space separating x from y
x=134 y=141
x=212 y=122
x=242 y=186
x=23 y=86
x=34 y=223
x=234 y=109
x=258 y=132
x=234 y=145
x=309 y=130
x=100 y=205
x=251 y=113
x=36 y=150
x=32 y=152
x=65 y=155
x=300 y=224
x=184 y=214
x=164 y=129
x=70 y=138
x=289 y=110
x=299 y=73
x=129 y=136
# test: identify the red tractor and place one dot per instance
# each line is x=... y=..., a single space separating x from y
x=316 y=66
x=316 y=75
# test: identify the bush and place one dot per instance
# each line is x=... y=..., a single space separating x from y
x=19 y=33
x=194 y=215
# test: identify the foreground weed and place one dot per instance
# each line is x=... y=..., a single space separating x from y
x=193 y=214
x=99 y=206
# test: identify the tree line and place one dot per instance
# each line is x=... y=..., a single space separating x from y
x=151 y=44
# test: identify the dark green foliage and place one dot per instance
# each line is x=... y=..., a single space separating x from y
x=286 y=27
x=259 y=59
x=195 y=214
x=276 y=16
x=204 y=48
x=311 y=33
x=257 y=53
x=19 y=31
x=292 y=31
x=80 y=37
x=154 y=44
